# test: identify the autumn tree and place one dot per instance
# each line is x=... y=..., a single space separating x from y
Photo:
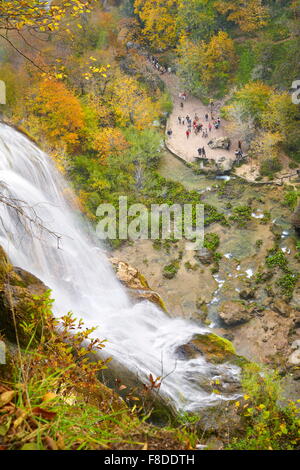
x=254 y=97
x=241 y=125
x=283 y=117
x=59 y=112
x=130 y=103
x=207 y=67
x=109 y=141
x=250 y=15
x=189 y=65
x=219 y=59
x=197 y=18
x=159 y=20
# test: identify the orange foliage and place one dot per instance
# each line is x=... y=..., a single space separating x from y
x=59 y=111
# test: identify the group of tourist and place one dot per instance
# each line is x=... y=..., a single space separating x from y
x=196 y=126
x=160 y=68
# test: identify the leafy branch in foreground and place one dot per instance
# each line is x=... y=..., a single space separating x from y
x=53 y=399
x=31 y=21
x=270 y=423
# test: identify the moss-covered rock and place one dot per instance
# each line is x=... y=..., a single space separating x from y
x=214 y=348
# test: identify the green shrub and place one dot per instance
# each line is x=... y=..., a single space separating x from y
x=170 y=271
x=269 y=424
x=291 y=199
x=241 y=215
x=277 y=259
x=287 y=283
x=270 y=167
x=211 y=241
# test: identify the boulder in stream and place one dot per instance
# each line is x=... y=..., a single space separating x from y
x=136 y=284
x=215 y=349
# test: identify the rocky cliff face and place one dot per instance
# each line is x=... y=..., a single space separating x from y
x=19 y=299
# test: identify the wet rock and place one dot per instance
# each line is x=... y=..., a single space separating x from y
x=137 y=285
x=205 y=256
x=266 y=338
x=294 y=358
x=224 y=165
x=283 y=308
x=247 y=294
x=214 y=348
x=234 y=313
x=212 y=420
x=296 y=218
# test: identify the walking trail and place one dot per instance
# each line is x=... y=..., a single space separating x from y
x=178 y=143
x=187 y=148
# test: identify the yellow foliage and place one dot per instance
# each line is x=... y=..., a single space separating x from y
x=250 y=15
x=39 y=15
x=265 y=145
x=255 y=96
x=109 y=140
x=219 y=56
x=160 y=21
x=130 y=103
x=281 y=114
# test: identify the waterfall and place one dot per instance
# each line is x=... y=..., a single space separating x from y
x=139 y=336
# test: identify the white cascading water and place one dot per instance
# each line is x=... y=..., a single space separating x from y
x=140 y=336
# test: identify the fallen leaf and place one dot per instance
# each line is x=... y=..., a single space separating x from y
x=6 y=397
x=49 y=396
x=45 y=414
x=20 y=419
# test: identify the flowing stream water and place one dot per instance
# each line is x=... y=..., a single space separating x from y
x=139 y=336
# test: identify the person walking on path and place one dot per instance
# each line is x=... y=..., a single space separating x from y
x=209 y=127
x=203 y=152
x=188 y=133
x=206 y=117
x=200 y=151
x=179 y=119
x=240 y=145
